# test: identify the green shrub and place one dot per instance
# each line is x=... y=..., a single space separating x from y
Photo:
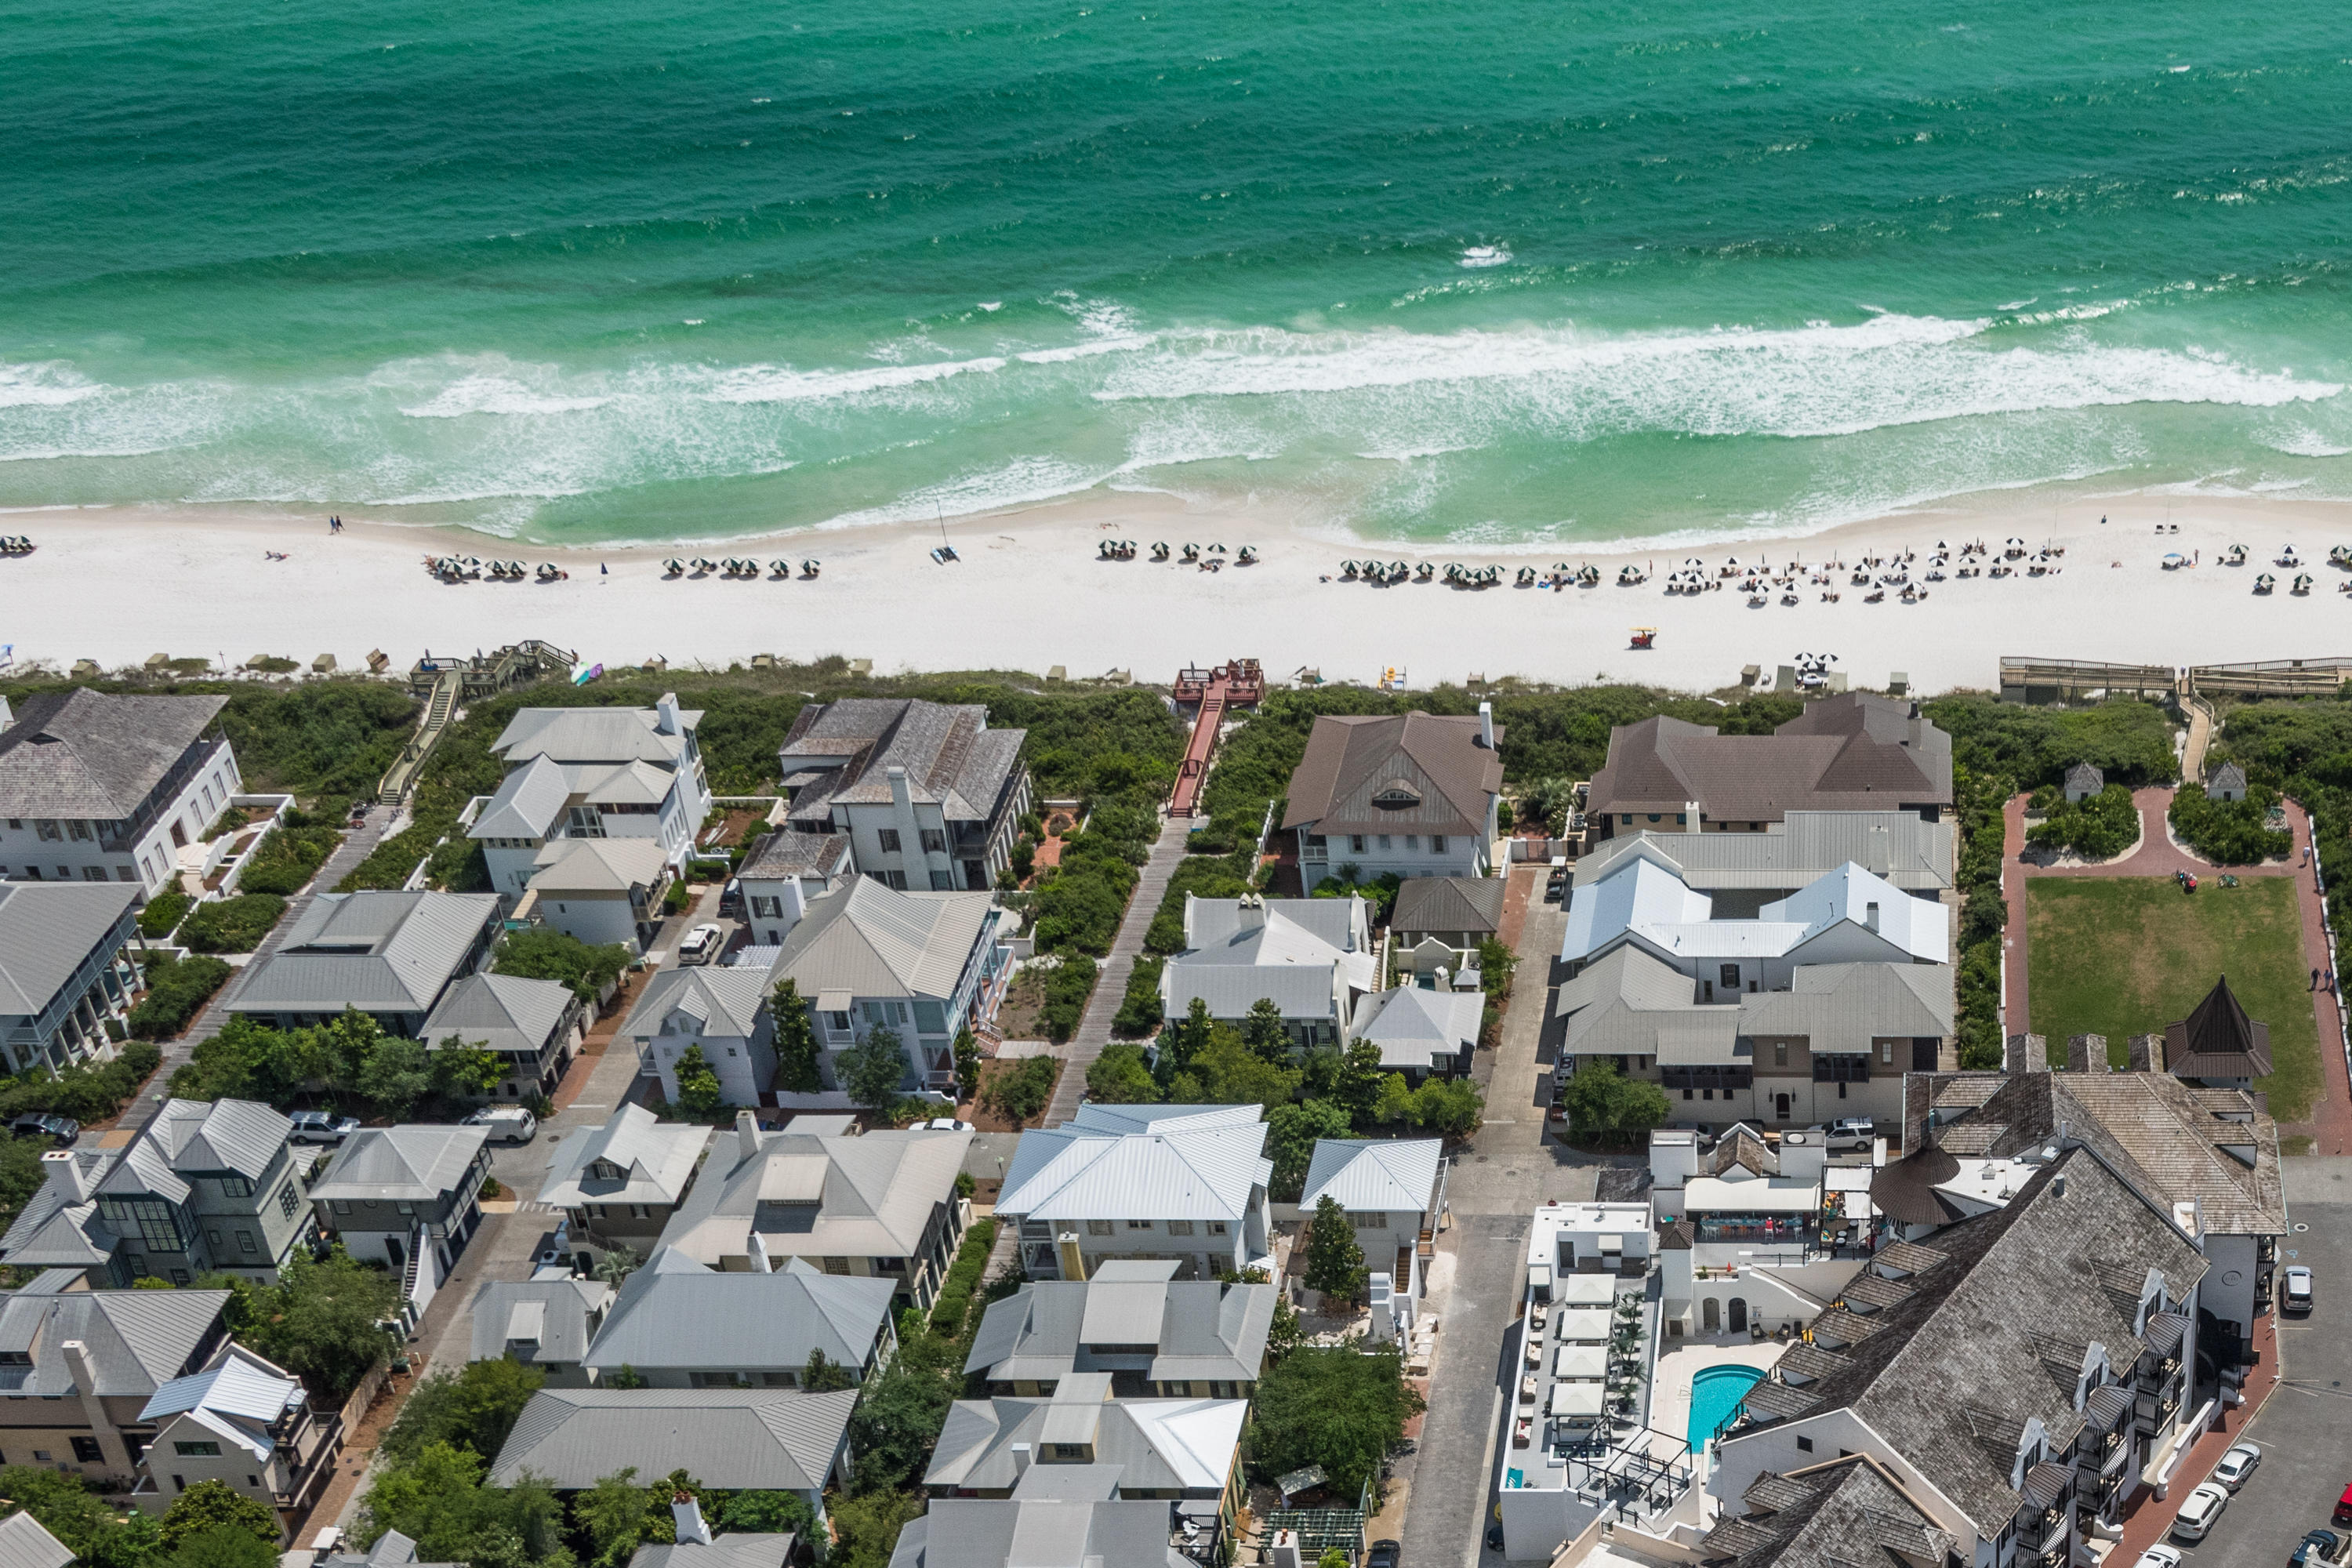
x=963 y=1276
x=1122 y=1077
x=1023 y=1092
x=163 y=911
x=391 y=862
x=2101 y=826
x=175 y=991
x=285 y=861
x=231 y=925
x=1067 y=987
x=2229 y=832
x=92 y=1092
x=1139 y=1014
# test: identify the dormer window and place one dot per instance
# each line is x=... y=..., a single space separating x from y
x=1396 y=794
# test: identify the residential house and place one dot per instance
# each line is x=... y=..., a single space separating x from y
x=409 y=1197
x=723 y=1009
x=96 y=788
x=66 y=976
x=206 y=1186
x=2014 y=1374
x=1742 y=872
x=547 y=1324
x=924 y=965
x=78 y=1366
x=876 y=1204
x=391 y=955
x=1848 y=752
x=598 y=890
x=536 y=1026
x=620 y=1183
x=1183 y=1450
x=25 y=1544
x=1182 y=1181
x=1392 y=1191
x=749 y=1439
x=591 y=773
x=2226 y=782
x=2084 y=781
x=679 y=1324
x=1156 y=1335
x=928 y=795
x=245 y=1423
x=786 y=871
x=696 y=1547
x=2209 y=1157
x=1415 y=794
x=1311 y=957
x=1456 y=913
x=1422 y=1033
x=1058 y=1516
x=2216 y=1046
x=391 y=1549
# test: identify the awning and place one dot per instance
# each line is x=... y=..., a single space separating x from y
x=1576 y=1399
x=1578 y=1363
x=836 y=1001
x=1610 y=1244
x=1583 y=1326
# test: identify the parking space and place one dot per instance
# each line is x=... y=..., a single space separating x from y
x=2307 y=1462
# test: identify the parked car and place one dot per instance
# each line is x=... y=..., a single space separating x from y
x=2198 y=1510
x=2318 y=1546
x=700 y=946
x=1849 y=1132
x=2237 y=1465
x=2159 y=1556
x=318 y=1127
x=507 y=1123
x=730 y=900
x=1555 y=887
x=947 y=1124
x=2343 y=1514
x=1384 y=1554
x=2295 y=1294
x=60 y=1130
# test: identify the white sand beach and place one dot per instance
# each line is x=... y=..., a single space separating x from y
x=117 y=586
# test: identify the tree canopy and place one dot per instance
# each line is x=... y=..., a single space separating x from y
x=797 y=1070
x=1335 y=1261
x=1605 y=1105
x=1331 y=1405
x=322 y=1322
x=871 y=1070
x=543 y=952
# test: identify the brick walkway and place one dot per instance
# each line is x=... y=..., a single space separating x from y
x=2148 y=1517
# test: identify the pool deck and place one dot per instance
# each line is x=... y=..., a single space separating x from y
x=1670 y=1386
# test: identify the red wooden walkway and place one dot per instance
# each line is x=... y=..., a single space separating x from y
x=1235 y=685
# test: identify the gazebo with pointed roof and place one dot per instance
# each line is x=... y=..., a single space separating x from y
x=2217 y=1044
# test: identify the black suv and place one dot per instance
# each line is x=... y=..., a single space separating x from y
x=60 y=1129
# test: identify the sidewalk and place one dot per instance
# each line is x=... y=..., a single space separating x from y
x=2148 y=1517
x=1110 y=983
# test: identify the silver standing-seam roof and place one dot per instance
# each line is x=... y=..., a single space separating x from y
x=651 y=1161
x=48 y=930
x=866 y=1197
x=529 y=803
x=725 y=999
x=699 y=1318
x=1418 y=1028
x=239 y=1399
x=729 y=1549
x=871 y=940
x=25 y=1544
x=1059 y=1516
x=1185 y=1446
x=596 y=865
x=186 y=1139
x=88 y=755
x=503 y=1011
x=759 y=1439
x=373 y=951
x=556 y=1318
x=138 y=1340
x=593 y=735
x=1375 y=1175
x=1909 y=851
x=1206 y=1164
x=1198 y=1329
x=411 y=1164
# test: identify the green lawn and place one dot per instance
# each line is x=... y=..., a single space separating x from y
x=2126 y=955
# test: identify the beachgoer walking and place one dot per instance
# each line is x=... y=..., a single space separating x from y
x=2314 y=980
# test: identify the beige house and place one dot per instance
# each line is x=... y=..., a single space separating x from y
x=598 y=889
x=622 y=1183
x=78 y=1367
x=1415 y=794
x=246 y=1423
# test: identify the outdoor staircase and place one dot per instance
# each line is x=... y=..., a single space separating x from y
x=447 y=688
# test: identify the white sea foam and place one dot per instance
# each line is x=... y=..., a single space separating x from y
x=48 y=385
x=2302 y=441
x=498 y=394
x=1126 y=342
x=1023 y=481
x=772 y=383
x=1479 y=256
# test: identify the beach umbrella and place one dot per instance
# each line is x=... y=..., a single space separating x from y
x=1216 y=550
x=672 y=564
x=781 y=568
x=811 y=565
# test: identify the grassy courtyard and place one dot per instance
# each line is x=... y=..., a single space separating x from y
x=2126 y=955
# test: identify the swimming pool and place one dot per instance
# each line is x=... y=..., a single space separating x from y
x=1716 y=1392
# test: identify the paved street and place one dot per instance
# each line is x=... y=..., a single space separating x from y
x=2306 y=1460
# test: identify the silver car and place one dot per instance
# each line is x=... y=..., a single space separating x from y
x=2237 y=1465
x=2294 y=1292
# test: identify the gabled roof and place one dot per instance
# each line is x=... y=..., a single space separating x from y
x=653 y=1161
x=1197 y=1329
x=1041 y=1525
x=1920 y=927
x=841 y=752
x=1412 y=773
x=788 y=853
x=1207 y=1168
x=593 y=735
x=405 y=1164
x=765 y=1439
x=378 y=951
x=1909 y=851
x=728 y=1548
x=1185 y=1445
x=238 y=1399
x=1300 y=954
x=697 y=1319
x=596 y=865
x=870 y=1195
x=186 y=1140
x=529 y=801
x=88 y=755
x=1214 y=924
x=726 y=999
x=138 y=1340
x=204 y=1137
x=871 y=940
x=2083 y=776
x=1845 y=1512
x=1848 y=752
x=1393 y=1175
x=2218 y=1040
x=1846 y=1006
x=1418 y=1028
x=554 y=1319
x=1450 y=903
x=1644 y=902
x=501 y=1011
x=48 y=930
x=25 y=1544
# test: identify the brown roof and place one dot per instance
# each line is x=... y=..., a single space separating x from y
x=1449 y=903
x=94 y=755
x=1851 y=752
x=2218 y=1040
x=1905 y=1192
x=1412 y=773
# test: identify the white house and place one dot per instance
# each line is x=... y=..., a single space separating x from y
x=535 y=1027
x=245 y=1423
x=66 y=971
x=1422 y=1033
x=598 y=890
x=1394 y=1191
x=930 y=797
x=786 y=871
x=1415 y=793
x=96 y=788
x=591 y=773
x=721 y=1008
x=1310 y=957
x=1182 y=1182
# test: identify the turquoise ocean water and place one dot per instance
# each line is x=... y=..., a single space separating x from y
x=620 y=269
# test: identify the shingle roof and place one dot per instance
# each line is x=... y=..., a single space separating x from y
x=1418 y=1028
x=787 y=853
x=844 y=749
x=407 y=1164
x=1909 y=851
x=1205 y=1166
x=138 y=1340
x=871 y=940
x=1200 y=1329
x=765 y=1439
x=1845 y=1512
x=557 y=1315
x=47 y=931
x=1410 y=773
x=2218 y=1040
x=653 y=1161
x=2083 y=776
x=94 y=756
x=875 y=1195
x=1449 y=903
x=1849 y=753
x=697 y=1319
x=1160 y=1444
x=1393 y=1175
x=528 y=802
x=373 y=950
x=503 y=1011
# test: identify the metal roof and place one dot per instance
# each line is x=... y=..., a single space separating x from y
x=1900 y=845
x=1200 y=1171
x=1644 y=900
x=238 y=1399
x=722 y=999
x=88 y=755
x=567 y=1312
x=699 y=1318
x=48 y=930
x=412 y=1163
x=1160 y=1444
x=25 y=1544
x=729 y=1549
x=652 y=1161
x=1392 y=1175
x=503 y=1011
x=1213 y=924
x=876 y=1194
x=872 y=940
x=596 y=865
x=760 y=1439
x=593 y=735
x=1047 y=1523
x=529 y=803
x=373 y=951
x=1418 y=1028
x=137 y=1339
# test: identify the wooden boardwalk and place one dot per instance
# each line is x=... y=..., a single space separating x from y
x=1110 y=986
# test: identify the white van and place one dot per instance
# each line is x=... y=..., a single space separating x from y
x=507 y=1123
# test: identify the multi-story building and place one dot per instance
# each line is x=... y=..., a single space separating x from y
x=208 y=1187
x=620 y=1183
x=877 y=1203
x=78 y=1367
x=591 y=773
x=545 y=1324
x=1156 y=1335
x=1392 y=1191
x=1180 y=1181
x=677 y=1324
x=930 y=795
x=243 y=1421
x=1741 y=872
x=101 y=788
x=785 y=873
x=1076 y=1507
x=726 y=1011
x=534 y=1026
x=1310 y=957
x=408 y=1197
x=598 y=890
x=66 y=976
x=391 y=955
x=1415 y=795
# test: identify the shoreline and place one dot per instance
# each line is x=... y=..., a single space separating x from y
x=117 y=584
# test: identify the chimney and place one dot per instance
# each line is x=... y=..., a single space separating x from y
x=666 y=716
x=93 y=1409
x=8 y=715
x=2025 y=1053
x=2087 y=1053
x=747 y=1135
x=900 y=794
x=62 y=1167
x=1073 y=1262
x=1487 y=725
x=688 y=1512
x=758 y=1254
x=2145 y=1053
x=1249 y=913
x=1020 y=1459
x=1285 y=1552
